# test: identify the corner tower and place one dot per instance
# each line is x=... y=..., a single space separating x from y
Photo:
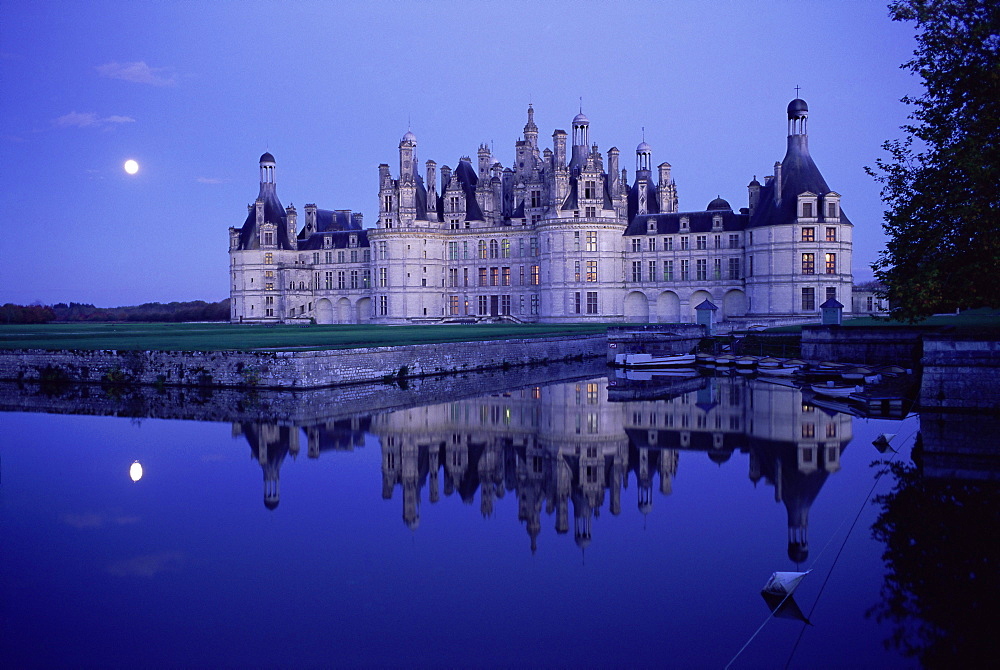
x=798 y=246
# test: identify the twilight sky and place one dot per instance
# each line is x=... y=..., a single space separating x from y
x=196 y=91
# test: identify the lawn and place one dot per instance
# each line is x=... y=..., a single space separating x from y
x=973 y=321
x=224 y=336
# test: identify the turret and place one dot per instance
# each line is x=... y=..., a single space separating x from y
x=530 y=129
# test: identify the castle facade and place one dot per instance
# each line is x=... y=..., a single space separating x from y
x=560 y=235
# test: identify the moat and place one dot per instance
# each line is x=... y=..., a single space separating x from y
x=535 y=517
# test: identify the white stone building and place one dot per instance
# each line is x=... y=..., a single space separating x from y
x=558 y=236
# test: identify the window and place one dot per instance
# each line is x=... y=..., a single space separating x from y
x=588 y=190
x=387 y=203
x=734 y=268
x=701 y=267
x=636 y=271
x=590 y=212
x=718 y=241
x=383 y=305
x=701 y=241
x=831 y=210
x=808 y=430
x=668 y=244
x=453 y=305
x=453 y=277
x=535 y=278
x=354 y=255
x=652 y=244
x=536 y=198
x=808 y=264
x=329 y=280
x=482 y=276
x=341 y=279
x=831 y=233
x=269 y=238
x=717 y=269
x=505 y=248
x=494 y=249
x=453 y=251
x=807 y=210
x=316 y=258
x=354 y=279
x=534 y=246
x=383 y=250
x=636 y=245
x=591 y=240
x=366 y=278
x=534 y=304
x=831 y=430
x=576 y=240
x=808 y=234
x=383 y=277
x=484 y=305
x=808 y=299
x=268 y=258
x=576 y=271
x=577 y=303
x=591 y=302
x=734 y=241
x=831 y=264
x=340 y=256
x=494 y=276
x=684 y=243
x=685 y=270
x=652 y=270
x=482 y=248
x=520 y=275
x=668 y=270
x=591 y=270
x=505 y=304
x=465 y=276
x=505 y=277
x=831 y=292
x=328 y=257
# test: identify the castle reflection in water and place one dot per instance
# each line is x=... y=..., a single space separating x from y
x=569 y=445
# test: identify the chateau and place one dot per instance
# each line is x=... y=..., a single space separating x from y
x=560 y=235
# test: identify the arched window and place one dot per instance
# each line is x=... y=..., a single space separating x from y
x=494 y=249
x=482 y=248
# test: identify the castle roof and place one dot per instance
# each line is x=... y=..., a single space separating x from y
x=698 y=222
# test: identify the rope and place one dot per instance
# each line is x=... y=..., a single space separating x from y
x=843 y=544
x=841 y=550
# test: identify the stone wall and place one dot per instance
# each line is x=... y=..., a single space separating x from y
x=877 y=345
x=289 y=369
x=299 y=408
x=961 y=374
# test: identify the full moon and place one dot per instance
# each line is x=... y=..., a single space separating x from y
x=135 y=471
x=131 y=166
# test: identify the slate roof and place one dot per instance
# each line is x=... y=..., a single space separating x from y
x=698 y=222
x=652 y=200
x=339 y=239
x=273 y=213
x=798 y=175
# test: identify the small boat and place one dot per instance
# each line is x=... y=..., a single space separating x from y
x=724 y=361
x=832 y=390
x=705 y=359
x=867 y=375
x=746 y=362
x=891 y=371
x=768 y=363
x=783 y=371
x=651 y=361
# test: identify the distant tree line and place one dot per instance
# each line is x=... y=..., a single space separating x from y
x=195 y=310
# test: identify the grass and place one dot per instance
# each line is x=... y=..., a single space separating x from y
x=972 y=321
x=236 y=337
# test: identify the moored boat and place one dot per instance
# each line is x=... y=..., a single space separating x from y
x=651 y=361
x=834 y=390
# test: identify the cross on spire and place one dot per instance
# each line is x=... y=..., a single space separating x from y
x=797 y=91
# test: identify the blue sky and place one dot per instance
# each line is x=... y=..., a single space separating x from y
x=195 y=92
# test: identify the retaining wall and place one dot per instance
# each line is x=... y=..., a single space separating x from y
x=289 y=369
x=660 y=339
x=961 y=374
x=877 y=345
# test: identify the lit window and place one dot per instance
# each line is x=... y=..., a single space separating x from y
x=592 y=271
x=808 y=264
x=831 y=264
x=808 y=234
x=831 y=233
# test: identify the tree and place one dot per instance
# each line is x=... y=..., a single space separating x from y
x=940 y=183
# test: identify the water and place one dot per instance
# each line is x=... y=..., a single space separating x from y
x=539 y=525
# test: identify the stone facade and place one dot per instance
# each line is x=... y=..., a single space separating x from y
x=560 y=235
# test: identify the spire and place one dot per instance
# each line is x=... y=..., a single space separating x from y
x=266 y=173
x=530 y=129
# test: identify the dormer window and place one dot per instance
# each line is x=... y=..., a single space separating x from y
x=588 y=190
x=831 y=210
x=651 y=223
x=807 y=210
x=354 y=240
x=716 y=223
x=685 y=223
x=327 y=242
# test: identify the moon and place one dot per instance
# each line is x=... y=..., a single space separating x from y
x=135 y=471
x=131 y=166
